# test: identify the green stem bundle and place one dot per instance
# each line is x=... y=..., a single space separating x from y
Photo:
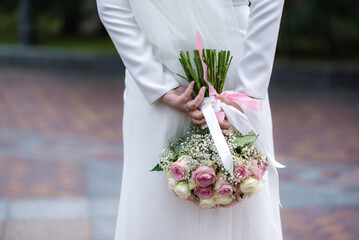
x=217 y=68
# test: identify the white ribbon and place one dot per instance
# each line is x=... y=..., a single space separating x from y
x=242 y=123
x=217 y=135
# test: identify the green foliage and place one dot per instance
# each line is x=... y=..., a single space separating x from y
x=8 y=29
x=309 y=29
x=319 y=29
x=53 y=20
x=244 y=140
x=48 y=27
x=157 y=168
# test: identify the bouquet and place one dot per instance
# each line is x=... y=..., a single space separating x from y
x=195 y=171
x=193 y=165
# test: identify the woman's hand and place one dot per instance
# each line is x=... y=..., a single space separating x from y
x=229 y=102
x=181 y=99
x=226 y=124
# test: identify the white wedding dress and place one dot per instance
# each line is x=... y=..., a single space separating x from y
x=148 y=210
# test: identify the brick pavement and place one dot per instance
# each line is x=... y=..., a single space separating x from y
x=23 y=178
x=61 y=153
x=323 y=129
x=321 y=223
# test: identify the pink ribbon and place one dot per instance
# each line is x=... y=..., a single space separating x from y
x=237 y=97
x=243 y=100
x=199 y=46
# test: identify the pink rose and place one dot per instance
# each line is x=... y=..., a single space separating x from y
x=204 y=175
x=241 y=172
x=240 y=196
x=223 y=187
x=203 y=192
x=180 y=168
x=258 y=169
x=192 y=198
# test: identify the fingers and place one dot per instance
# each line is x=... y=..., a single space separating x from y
x=196 y=114
x=224 y=100
x=225 y=125
x=187 y=94
x=199 y=122
x=196 y=103
x=229 y=102
x=180 y=90
x=197 y=117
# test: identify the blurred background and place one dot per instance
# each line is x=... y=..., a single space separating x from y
x=61 y=84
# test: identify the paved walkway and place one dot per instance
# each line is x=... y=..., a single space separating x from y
x=61 y=157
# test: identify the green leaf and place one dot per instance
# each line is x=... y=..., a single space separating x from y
x=241 y=141
x=183 y=77
x=157 y=168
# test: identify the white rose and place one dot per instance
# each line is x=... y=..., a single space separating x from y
x=207 y=202
x=182 y=190
x=184 y=157
x=251 y=186
x=171 y=182
x=224 y=200
x=192 y=184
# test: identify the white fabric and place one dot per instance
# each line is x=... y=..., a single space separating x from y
x=148 y=210
x=255 y=66
x=135 y=51
x=180 y=20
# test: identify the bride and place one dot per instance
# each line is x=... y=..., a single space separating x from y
x=149 y=34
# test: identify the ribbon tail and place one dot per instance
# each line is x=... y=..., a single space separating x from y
x=199 y=46
x=237 y=119
x=242 y=99
x=217 y=135
x=253 y=118
x=242 y=124
x=259 y=145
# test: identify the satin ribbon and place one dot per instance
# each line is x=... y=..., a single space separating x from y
x=217 y=135
x=211 y=108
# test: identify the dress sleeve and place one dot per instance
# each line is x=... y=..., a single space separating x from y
x=135 y=51
x=255 y=67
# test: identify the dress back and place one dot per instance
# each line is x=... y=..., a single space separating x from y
x=171 y=27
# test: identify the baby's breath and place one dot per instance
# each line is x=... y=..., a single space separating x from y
x=199 y=146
